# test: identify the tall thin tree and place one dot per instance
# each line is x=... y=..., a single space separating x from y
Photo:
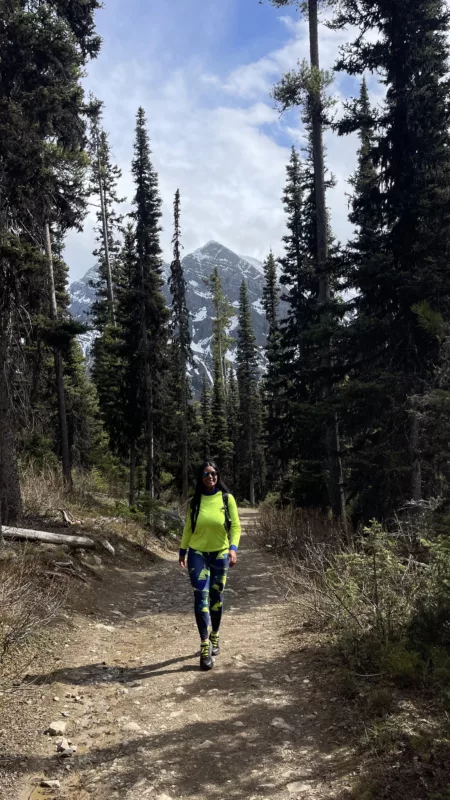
x=247 y=377
x=152 y=309
x=181 y=338
x=59 y=373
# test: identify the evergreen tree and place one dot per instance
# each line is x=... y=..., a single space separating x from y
x=205 y=404
x=270 y=300
x=306 y=87
x=249 y=410
x=181 y=340
x=300 y=379
x=273 y=384
x=104 y=187
x=410 y=212
x=87 y=441
x=361 y=403
x=44 y=47
x=233 y=426
x=121 y=398
x=223 y=314
x=221 y=445
x=150 y=307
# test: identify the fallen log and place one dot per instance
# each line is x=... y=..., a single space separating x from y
x=49 y=538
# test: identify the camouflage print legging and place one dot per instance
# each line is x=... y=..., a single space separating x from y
x=208 y=575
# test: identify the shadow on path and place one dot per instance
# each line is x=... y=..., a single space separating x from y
x=90 y=674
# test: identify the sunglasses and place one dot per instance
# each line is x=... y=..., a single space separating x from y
x=210 y=474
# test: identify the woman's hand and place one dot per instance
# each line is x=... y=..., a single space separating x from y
x=232 y=558
x=182 y=561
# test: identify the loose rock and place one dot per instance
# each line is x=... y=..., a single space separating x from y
x=56 y=728
x=132 y=727
x=279 y=722
x=204 y=746
x=298 y=787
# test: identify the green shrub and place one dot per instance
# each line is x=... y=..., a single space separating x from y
x=430 y=624
x=401 y=664
x=371 y=591
x=272 y=500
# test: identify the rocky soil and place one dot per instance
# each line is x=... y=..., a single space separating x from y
x=118 y=708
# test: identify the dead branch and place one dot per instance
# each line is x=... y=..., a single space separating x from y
x=68 y=518
x=49 y=538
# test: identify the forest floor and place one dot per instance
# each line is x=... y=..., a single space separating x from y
x=268 y=722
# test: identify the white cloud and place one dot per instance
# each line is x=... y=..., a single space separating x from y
x=220 y=141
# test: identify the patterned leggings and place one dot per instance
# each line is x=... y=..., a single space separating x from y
x=208 y=575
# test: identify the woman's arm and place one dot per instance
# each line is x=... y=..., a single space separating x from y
x=186 y=538
x=235 y=532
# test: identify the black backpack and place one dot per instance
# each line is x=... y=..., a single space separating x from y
x=228 y=522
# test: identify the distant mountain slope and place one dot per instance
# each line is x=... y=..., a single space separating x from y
x=197 y=266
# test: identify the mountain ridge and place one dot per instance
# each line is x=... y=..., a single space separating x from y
x=197 y=266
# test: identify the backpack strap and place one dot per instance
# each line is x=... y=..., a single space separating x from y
x=228 y=522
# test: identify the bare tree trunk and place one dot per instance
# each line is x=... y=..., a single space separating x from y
x=337 y=478
x=337 y=494
x=185 y=443
x=59 y=373
x=252 y=486
x=251 y=461
x=109 y=282
x=10 y=495
x=319 y=162
x=2 y=540
x=132 y=497
x=150 y=469
x=416 y=466
x=150 y=473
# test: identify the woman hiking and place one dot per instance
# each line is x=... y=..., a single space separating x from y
x=211 y=534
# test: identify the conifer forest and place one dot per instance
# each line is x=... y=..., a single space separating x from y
x=350 y=412
x=344 y=418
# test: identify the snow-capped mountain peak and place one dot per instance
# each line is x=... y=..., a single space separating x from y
x=198 y=266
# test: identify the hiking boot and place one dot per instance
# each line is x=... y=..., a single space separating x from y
x=214 y=639
x=206 y=662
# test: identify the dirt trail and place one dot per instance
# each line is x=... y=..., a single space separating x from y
x=148 y=724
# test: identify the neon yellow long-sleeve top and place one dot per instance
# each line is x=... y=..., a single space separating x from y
x=210 y=534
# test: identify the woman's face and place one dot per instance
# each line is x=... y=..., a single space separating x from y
x=209 y=478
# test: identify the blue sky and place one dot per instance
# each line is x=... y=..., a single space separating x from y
x=203 y=70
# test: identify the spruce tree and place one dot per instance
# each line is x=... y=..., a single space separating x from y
x=121 y=397
x=221 y=446
x=412 y=222
x=273 y=384
x=223 y=314
x=181 y=337
x=205 y=405
x=44 y=47
x=300 y=379
x=249 y=410
x=87 y=440
x=151 y=308
x=270 y=300
x=233 y=426
x=104 y=179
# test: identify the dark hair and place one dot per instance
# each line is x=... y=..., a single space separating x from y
x=197 y=497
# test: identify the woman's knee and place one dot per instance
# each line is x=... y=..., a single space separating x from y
x=201 y=601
